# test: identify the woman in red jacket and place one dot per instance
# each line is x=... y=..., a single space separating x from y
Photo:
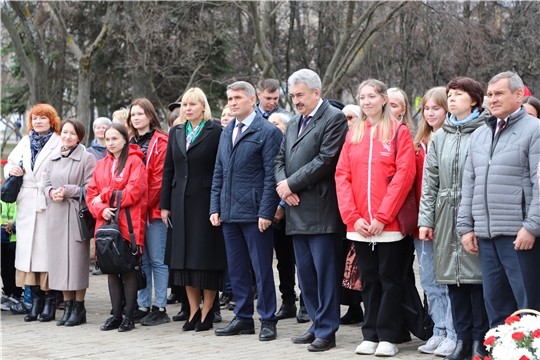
x=121 y=169
x=152 y=140
x=369 y=205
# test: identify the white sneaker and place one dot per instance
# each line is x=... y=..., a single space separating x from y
x=431 y=345
x=445 y=348
x=366 y=348
x=386 y=348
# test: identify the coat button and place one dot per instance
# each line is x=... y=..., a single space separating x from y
x=185 y=177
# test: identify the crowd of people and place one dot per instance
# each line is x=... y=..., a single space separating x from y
x=343 y=193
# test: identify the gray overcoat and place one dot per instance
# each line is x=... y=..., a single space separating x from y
x=68 y=254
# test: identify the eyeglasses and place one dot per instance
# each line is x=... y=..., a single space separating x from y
x=350 y=117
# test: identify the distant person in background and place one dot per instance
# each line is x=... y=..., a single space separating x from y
x=12 y=293
x=400 y=107
x=352 y=112
x=268 y=95
x=226 y=116
x=120 y=117
x=280 y=120
x=531 y=105
x=98 y=148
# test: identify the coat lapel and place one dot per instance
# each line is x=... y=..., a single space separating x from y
x=206 y=130
x=181 y=138
x=312 y=123
x=52 y=144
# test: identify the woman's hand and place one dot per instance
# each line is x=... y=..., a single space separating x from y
x=376 y=228
x=108 y=213
x=97 y=199
x=165 y=216
x=425 y=233
x=16 y=171
x=361 y=226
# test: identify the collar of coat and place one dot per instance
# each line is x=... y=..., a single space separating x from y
x=76 y=155
x=491 y=121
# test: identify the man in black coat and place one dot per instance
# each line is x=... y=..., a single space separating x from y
x=244 y=201
x=304 y=170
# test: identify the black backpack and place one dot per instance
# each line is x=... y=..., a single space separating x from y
x=114 y=255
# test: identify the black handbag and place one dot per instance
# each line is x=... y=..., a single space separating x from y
x=114 y=255
x=87 y=223
x=11 y=187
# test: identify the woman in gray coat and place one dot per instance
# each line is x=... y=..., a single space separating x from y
x=69 y=171
x=441 y=195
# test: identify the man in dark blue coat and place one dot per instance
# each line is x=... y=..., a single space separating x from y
x=244 y=202
x=305 y=168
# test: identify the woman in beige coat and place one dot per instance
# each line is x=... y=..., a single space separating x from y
x=31 y=260
x=70 y=170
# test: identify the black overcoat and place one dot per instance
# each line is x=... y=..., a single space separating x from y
x=187 y=178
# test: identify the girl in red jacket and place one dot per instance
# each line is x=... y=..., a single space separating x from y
x=152 y=140
x=121 y=169
x=369 y=205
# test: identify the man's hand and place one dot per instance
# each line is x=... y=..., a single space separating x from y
x=361 y=226
x=426 y=233
x=97 y=199
x=264 y=224
x=283 y=189
x=215 y=219
x=376 y=228
x=280 y=214
x=524 y=240
x=470 y=242
x=292 y=200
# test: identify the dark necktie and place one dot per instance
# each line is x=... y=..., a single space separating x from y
x=303 y=124
x=239 y=132
x=500 y=125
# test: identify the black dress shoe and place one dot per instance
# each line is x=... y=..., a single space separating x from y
x=354 y=315
x=236 y=327
x=111 y=324
x=286 y=311
x=320 y=344
x=302 y=316
x=181 y=316
x=463 y=351
x=268 y=331
x=172 y=299
x=307 y=338
x=479 y=349
x=126 y=325
x=208 y=322
x=217 y=317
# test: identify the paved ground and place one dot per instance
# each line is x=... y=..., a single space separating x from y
x=37 y=340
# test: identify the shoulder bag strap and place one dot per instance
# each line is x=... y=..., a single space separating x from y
x=111 y=204
x=130 y=224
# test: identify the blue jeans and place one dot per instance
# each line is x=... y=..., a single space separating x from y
x=440 y=309
x=153 y=263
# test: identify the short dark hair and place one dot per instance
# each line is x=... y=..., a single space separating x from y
x=270 y=85
x=77 y=125
x=534 y=102
x=471 y=87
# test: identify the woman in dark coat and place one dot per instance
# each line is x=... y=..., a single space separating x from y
x=196 y=254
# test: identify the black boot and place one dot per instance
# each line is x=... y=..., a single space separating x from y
x=37 y=304
x=479 y=349
x=49 y=310
x=463 y=351
x=78 y=315
x=68 y=307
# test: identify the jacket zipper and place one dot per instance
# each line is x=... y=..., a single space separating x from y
x=494 y=140
x=455 y=185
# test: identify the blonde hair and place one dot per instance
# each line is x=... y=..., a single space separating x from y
x=425 y=131
x=407 y=117
x=194 y=95
x=121 y=114
x=384 y=126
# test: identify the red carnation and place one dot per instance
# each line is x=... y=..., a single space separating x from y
x=511 y=319
x=524 y=358
x=536 y=334
x=487 y=358
x=490 y=340
x=518 y=335
x=476 y=357
x=3 y=162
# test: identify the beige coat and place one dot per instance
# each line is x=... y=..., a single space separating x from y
x=31 y=253
x=67 y=251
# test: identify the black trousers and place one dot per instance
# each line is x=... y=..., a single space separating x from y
x=8 y=270
x=468 y=311
x=283 y=245
x=381 y=273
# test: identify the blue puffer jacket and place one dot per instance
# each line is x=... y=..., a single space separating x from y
x=243 y=187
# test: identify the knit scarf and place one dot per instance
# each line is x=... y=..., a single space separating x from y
x=475 y=114
x=37 y=142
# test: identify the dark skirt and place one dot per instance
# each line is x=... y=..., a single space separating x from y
x=201 y=279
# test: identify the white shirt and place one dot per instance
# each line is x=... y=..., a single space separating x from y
x=499 y=120
x=247 y=121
